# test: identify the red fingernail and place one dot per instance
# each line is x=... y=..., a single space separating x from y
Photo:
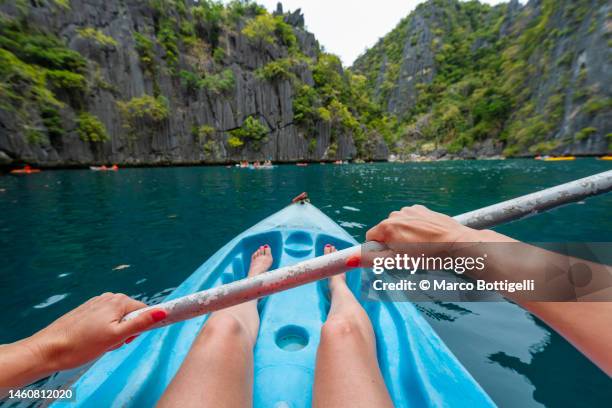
x=353 y=261
x=130 y=339
x=159 y=315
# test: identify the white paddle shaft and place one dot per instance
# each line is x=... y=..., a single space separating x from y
x=322 y=267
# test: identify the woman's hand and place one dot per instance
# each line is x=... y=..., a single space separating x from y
x=419 y=224
x=90 y=330
x=74 y=339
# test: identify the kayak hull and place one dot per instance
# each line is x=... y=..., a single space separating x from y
x=417 y=366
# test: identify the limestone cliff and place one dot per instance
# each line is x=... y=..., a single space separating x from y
x=163 y=82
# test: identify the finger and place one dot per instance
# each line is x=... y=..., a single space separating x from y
x=141 y=322
x=129 y=305
x=379 y=232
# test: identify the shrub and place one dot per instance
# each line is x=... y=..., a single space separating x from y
x=585 y=133
x=215 y=83
x=340 y=113
x=595 y=105
x=66 y=80
x=52 y=121
x=277 y=70
x=90 y=129
x=266 y=28
x=97 y=35
x=203 y=132
x=235 y=142
x=146 y=107
x=208 y=16
x=251 y=129
x=168 y=40
x=23 y=82
x=324 y=114
x=332 y=149
x=304 y=106
x=312 y=146
x=236 y=9
x=190 y=80
x=45 y=50
x=218 y=55
x=144 y=46
x=261 y=29
x=210 y=147
x=34 y=136
x=222 y=82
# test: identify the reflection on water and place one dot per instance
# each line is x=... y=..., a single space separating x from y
x=548 y=374
x=66 y=236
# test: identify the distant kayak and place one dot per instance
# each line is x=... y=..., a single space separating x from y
x=605 y=158
x=104 y=168
x=564 y=158
x=26 y=170
x=417 y=366
x=301 y=164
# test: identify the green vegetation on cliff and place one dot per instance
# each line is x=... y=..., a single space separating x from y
x=459 y=73
x=214 y=80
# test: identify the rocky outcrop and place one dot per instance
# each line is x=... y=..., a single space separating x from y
x=550 y=61
x=116 y=72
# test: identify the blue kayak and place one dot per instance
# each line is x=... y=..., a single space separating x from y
x=417 y=366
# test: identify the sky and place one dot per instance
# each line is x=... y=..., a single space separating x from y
x=348 y=27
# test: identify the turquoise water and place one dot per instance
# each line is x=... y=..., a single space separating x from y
x=66 y=236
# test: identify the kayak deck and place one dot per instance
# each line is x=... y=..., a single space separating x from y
x=418 y=368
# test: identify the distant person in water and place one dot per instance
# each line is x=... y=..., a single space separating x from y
x=218 y=371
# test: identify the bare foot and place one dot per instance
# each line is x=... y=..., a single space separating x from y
x=261 y=260
x=336 y=280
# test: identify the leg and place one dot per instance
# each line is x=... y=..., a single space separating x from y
x=347 y=372
x=218 y=370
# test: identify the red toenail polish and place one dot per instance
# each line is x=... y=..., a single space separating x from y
x=353 y=261
x=159 y=315
x=266 y=246
x=327 y=245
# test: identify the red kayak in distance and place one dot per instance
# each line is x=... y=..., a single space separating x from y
x=26 y=170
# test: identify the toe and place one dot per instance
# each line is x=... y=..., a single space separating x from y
x=267 y=250
x=329 y=249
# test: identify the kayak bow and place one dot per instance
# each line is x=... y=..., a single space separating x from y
x=417 y=366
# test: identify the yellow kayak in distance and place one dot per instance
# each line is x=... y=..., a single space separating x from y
x=563 y=158
x=605 y=158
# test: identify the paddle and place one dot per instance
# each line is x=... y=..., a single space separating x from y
x=322 y=267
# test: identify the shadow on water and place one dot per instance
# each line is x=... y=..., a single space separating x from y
x=550 y=362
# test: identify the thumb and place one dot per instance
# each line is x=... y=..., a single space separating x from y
x=143 y=321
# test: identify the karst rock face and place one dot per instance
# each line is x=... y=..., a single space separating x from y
x=550 y=60
x=145 y=48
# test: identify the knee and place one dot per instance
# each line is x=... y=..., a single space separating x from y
x=347 y=329
x=225 y=329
